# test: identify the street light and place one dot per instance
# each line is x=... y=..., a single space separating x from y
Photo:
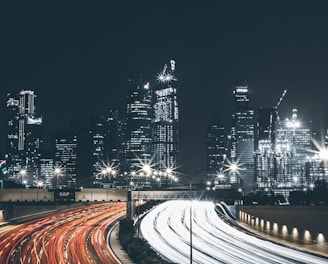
x=40 y=184
x=146 y=168
x=146 y=173
x=108 y=171
x=234 y=169
x=323 y=154
x=190 y=219
x=57 y=172
x=133 y=174
x=190 y=209
x=22 y=172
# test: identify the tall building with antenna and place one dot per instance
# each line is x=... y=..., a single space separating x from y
x=165 y=132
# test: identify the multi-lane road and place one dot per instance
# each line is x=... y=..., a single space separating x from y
x=74 y=236
x=167 y=229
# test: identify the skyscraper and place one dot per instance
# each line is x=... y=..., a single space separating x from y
x=47 y=171
x=31 y=152
x=216 y=153
x=264 y=154
x=139 y=115
x=97 y=134
x=23 y=135
x=115 y=143
x=242 y=138
x=12 y=154
x=292 y=146
x=65 y=159
x=165 y=120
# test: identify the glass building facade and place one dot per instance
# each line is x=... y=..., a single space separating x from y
x=24 y=138
x=292 y=147
x=165 y=121
x=12 y=154
x=115 y=143
x=242 y=138
x=216 y=153
x=97 y=133
x=264 y=154
x=65 y=159
x=138 y=130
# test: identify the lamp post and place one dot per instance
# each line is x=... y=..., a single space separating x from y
x=190 y=209
x=132 y=175
x=190 y=219
x=57 y=172
x=108 y=171
x=22 y=172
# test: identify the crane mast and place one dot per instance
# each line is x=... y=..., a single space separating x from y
x=282 y=97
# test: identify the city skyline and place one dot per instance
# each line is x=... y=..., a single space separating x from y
x=89 y=51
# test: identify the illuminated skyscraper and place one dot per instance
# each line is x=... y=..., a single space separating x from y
x=292 y=146
x=165 y=121
x=116 y=141
x=107 y=135
x=12 y=154
x=23 y=134
x=264 y=154
x=216 y=153
x=97 y=134
x=139 y=115
x=65 y=159
x=47 y=171
x=242 y=138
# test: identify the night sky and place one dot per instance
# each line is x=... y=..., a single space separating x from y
x=78 y=56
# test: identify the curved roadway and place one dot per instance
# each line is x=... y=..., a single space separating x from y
x=167 y=229
x=74 y=236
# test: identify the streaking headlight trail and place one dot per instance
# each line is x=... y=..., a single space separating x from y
x=167 y=230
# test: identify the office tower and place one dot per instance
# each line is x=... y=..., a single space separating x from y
x=216 y=154
x=264 y=154
x=242 y=138
x=97 y=134
x=107 y=146
x=31 y=152
x=165 y=120
x=138 y=130
x=292 y=146
x=267 y=117
x=65 y=160
x=26 y=109
x=12 y=154
x=23 y=134
x=116 y=141
x=47 y=171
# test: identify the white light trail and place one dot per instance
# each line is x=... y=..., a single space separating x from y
x=167 y=229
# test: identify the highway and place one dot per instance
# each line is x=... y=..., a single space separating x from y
x=167 y=229
x=74 y=236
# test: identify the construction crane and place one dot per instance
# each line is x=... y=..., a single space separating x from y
x=272 y=119
x=282 y=97
x=279 y=102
